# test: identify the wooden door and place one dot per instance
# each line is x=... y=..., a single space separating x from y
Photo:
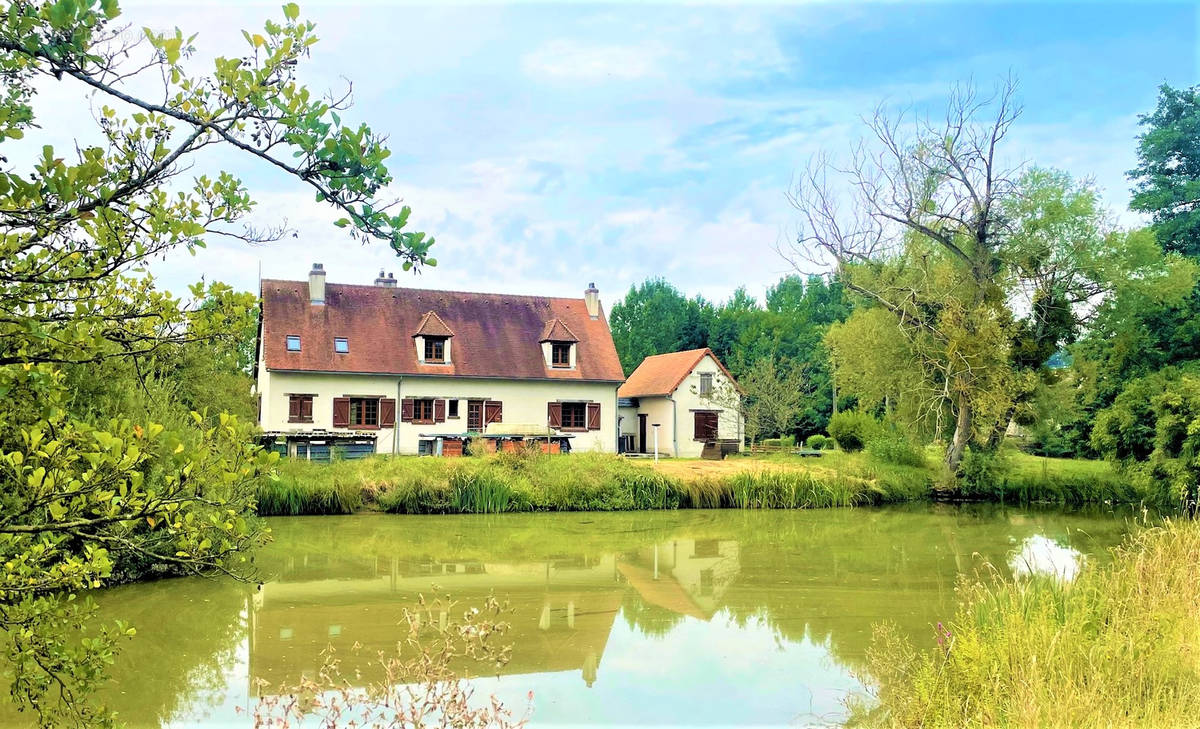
x=641 y=432
x=475 y=416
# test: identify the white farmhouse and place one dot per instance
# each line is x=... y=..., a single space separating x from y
x=692 y=398
x=396 y=370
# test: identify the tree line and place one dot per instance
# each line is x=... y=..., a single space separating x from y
x=965 y=298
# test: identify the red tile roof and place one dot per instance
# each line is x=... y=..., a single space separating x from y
x=495 y=335
x=660 y=374
x=556 y=331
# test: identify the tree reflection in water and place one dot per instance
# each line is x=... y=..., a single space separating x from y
x=711 y=598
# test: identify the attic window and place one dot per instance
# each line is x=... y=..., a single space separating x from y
x=293 y=343
x=435 y=349
x=341 y=345
x=706 y=383
x=560 y=354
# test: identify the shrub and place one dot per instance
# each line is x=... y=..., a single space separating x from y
x=852 y=429
x=817 y=442
x=891 y=444
x=982 y=474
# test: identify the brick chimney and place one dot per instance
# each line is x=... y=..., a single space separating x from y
x=591 y=299
x=316 y=285
x=388 y=281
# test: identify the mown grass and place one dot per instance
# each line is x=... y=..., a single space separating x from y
x=1119 y=646
x=578 y=482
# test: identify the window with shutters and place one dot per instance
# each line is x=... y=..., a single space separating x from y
x=452 y=408
x=574 y=416
x=435 y=350
x=475 y=416
x=560 y=354
x=293 y=343
x=364 y=412
x=423 y=410
x=705 y=426
x=705 y=383
x=300 y=408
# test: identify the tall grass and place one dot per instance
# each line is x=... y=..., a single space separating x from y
x=1117 y=647
x=579 y=482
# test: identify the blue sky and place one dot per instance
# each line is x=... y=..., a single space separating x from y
x=546 y=146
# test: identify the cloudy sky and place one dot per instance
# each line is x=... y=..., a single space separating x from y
x=549 y=146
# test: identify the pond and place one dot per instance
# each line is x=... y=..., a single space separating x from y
x=697 y=618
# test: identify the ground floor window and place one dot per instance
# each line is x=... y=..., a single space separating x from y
x=452 y=408
x=705 y=426
x=364 y=411
x=574 y=415
x=423 y=411
x=300 y=408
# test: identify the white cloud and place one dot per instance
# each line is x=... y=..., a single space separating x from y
x=566 y=60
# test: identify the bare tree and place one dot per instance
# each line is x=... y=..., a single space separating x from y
x=938 y=182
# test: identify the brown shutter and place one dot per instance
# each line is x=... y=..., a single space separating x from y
x=439 y=411
x=554 y=414
x=406 y=410
x=593 y=416
x=493 y=412
x=387 y=413
x=341 y=412
x=306 y=406
x=293 y=408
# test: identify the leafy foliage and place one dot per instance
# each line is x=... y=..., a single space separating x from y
x=852 y=429
x=112 y=464
x=1167 y=177
x=1153 y=430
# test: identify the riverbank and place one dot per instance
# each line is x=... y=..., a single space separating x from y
x=599 y=482
x=1118 y=646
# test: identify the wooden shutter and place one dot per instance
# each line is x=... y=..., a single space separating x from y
x=554 y=414
x=705 y=426
x=439 y=411
x=306 y=406
x=493 y=412
x=387 y=413
x=294 y=408
x=406 y=410
x=593 y=416
x=341 y=412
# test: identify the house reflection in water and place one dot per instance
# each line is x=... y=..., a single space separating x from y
x=562 y=608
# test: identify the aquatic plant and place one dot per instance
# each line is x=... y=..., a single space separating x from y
x=1117 y=647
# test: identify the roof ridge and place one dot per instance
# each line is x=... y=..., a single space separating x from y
x=428 y=291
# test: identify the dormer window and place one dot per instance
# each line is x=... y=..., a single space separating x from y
x=435 y=349
x=293 y=343
x=341 y=345
x=560 y=354
x=433 y=340
x=559 y=345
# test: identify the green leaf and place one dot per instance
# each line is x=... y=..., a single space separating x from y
x=110 y=9
x=291 y=11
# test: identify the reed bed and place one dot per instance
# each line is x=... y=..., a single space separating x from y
x=1118 y=647
x=579 y=482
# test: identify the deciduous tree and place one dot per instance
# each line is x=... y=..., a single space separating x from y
x=82 y=494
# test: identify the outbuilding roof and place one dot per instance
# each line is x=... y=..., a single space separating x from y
x=661 y=374
x=495 y=335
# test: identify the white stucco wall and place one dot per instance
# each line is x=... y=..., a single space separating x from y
x=687 y=398
x=658 y=410
x=524 y=403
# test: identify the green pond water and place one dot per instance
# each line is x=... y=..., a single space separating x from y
x=697 y=618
